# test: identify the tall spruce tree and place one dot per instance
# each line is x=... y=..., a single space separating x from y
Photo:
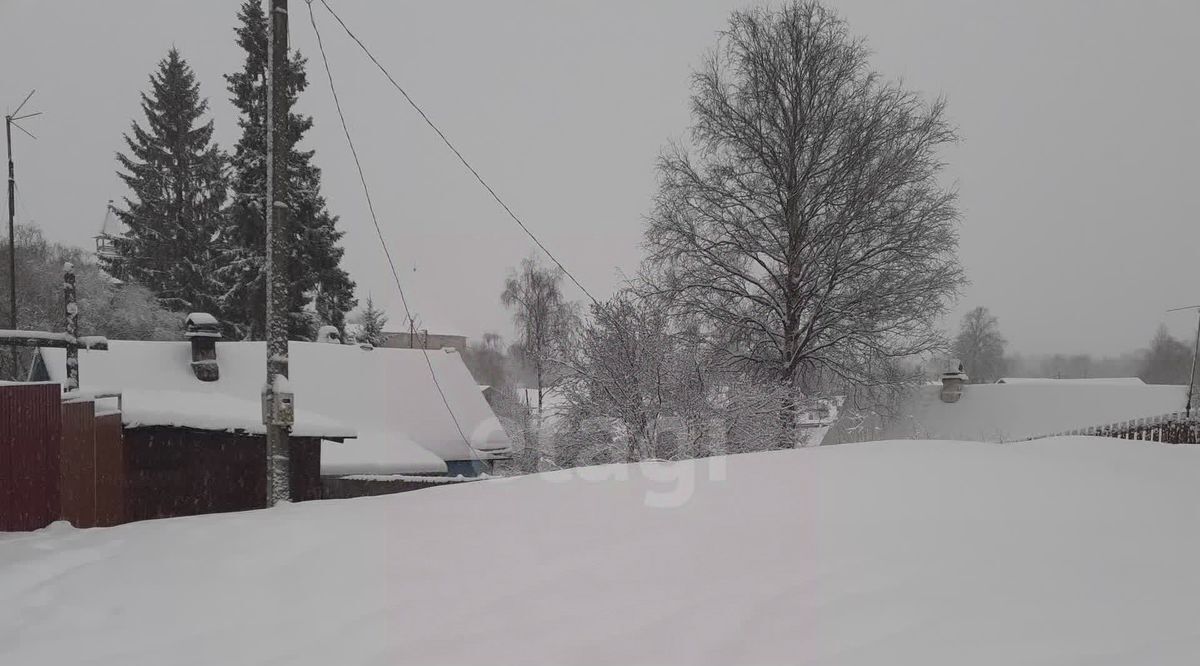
x=178 y=181
x=313 y=272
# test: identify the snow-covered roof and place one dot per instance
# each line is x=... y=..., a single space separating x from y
x=158 y=388
x=212 y=411
x=1010 y=411
x=387 y=394
x=86 y=341
x=1119 y=381
x=202 y=319
x=821 y=411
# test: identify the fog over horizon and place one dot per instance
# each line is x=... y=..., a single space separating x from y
x=1075 y=169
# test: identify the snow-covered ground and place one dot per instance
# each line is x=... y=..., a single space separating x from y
x=1066 y=551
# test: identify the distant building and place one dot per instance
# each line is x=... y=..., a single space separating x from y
x=1094 y=381
x=423 y=340
x=112 y=230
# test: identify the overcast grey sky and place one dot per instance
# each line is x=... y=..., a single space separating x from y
x=1077 y=170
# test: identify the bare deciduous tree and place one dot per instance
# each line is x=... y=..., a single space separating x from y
x=125 y=311
x=980 y=346
x=539 y=312
x=639 y=384
x=806 y=222
x=621 y=368
x=1168 y=361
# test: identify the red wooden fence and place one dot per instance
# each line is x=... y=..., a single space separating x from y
x=30 y=432
x=78 y=464
x=58 y=460
x=110 y=470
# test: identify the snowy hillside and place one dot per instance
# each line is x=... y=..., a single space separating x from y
x=1064 y=551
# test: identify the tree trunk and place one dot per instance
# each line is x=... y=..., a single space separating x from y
x=789 y=409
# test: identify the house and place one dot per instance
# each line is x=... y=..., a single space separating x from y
x=1123 y=381
x=407 y=422
x=416 y=338
x=816 y=417
x=194 y=441
x=424 y=339
x=426 y=329
x=401 y=421
x=1011 y=409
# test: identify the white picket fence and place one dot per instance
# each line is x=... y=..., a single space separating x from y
x=1173 y=428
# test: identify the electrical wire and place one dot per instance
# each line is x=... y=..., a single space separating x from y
x=375 y=219
x=455 y=150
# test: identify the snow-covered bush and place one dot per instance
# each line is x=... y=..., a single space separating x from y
x=638 y=384
x=120 y=311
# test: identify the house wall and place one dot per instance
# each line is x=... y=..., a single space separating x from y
x=182 y=472
x=469 y=467
x=337 y=487
x=333 y=487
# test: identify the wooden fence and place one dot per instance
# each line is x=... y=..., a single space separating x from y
x=59 y=460
x=30 y=433
x=1173 y=428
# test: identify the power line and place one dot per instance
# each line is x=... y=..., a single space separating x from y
x=448 y=144
x=456 y=152
x=375 y=219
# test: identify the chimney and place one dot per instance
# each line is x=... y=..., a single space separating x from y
x=203 y=330
x=952 y=381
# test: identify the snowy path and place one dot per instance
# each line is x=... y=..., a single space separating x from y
x=1057 y=552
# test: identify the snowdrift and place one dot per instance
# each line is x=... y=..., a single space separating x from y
x=1063 y=551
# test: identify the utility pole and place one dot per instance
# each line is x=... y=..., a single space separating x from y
x=1192 y=377
x=278 y=411
x=9 y=123
x=1195 y=352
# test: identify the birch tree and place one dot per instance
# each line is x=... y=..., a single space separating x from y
x=540 y=313
x=804 y=220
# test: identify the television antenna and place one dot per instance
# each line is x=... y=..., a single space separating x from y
x=1195 y=351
